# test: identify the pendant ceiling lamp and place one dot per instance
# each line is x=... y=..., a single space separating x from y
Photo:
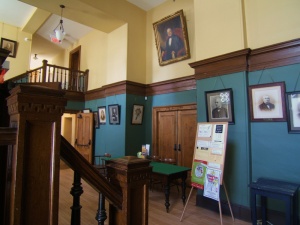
x=59 y=31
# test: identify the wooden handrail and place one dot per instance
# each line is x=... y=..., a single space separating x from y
x=90 y=174
x=72 y=80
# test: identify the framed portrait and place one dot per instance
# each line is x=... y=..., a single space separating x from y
x=220 y=106
x=114 y=114
x=9 y=45
x=102 y=114
x=293 y=111
x=267 y=102
x=171 y=39
x=96 y=119
x=137 y=114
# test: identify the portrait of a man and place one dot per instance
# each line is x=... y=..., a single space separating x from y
x=266 y=104
x=171 y=39
x=219 y=111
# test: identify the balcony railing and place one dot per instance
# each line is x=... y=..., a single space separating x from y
x=70 y=80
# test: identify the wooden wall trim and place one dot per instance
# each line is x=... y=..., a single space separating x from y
x=282 y=54
x=276 y=55
x=174 y=85
x=129 y=87
x=220 y=65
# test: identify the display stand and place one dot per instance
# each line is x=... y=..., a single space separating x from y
x=208 y=162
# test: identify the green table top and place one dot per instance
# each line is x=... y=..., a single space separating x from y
x=167 y=169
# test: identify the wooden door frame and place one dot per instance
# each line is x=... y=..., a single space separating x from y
x=75 y=50
x=156 y=110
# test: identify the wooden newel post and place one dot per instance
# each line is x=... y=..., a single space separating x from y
x=132 y=175
x=36 y=112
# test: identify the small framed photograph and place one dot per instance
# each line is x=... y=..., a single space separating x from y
x=171 y=39
x=137 y=114
x=10 y=46
x=86 y=110
x=114 y=114
x=220 y=106
x=102 y=114
x=96 y=119
x=293 y=111
x=267 y=102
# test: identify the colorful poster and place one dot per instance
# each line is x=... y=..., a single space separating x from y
x=198 y=173
x=212 y=184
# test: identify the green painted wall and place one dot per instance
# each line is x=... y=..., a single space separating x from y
x=236 y=171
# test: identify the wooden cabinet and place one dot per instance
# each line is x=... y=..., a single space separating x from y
x=174 y=130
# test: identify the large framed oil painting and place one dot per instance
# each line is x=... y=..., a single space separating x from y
x=171 y=39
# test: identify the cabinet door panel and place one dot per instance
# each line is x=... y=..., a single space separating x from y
x=167 y=134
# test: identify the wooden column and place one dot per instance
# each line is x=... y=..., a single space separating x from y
x=132 y=175
x=36 y=112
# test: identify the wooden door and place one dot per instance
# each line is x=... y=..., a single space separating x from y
x=174 y=129
x=167 y=134
x=84 y=135
x=187 y=126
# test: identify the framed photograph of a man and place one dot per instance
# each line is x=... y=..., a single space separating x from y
x=293 y=111
x=102 y=115
x=114 y=114
x=267 y=102
x=220 y=106
x=9 y=45
x=171 y=39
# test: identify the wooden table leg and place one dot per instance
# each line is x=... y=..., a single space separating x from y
x=167 y=194
x=183 y=187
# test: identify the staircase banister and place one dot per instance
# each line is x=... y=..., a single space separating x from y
x=8 y=135
x=90 y=174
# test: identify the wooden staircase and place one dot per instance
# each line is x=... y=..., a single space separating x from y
x=31 y=149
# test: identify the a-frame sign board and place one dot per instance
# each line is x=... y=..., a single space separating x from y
x=209 y=158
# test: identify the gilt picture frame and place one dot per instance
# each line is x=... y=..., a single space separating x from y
x=267 y=102
x=293 y=111
x=171 y=39
x=9 y=45
x=220 y=106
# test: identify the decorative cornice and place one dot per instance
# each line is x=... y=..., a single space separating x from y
x=282 y=54
x=220 y=65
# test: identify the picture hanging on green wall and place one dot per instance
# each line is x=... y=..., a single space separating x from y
x=267 y=102
x=114 y=114
x=293 y=111
x=219 y=105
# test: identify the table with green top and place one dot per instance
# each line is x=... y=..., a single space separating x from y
x=168 y=173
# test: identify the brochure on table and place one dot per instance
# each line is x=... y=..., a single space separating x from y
x=209 y=157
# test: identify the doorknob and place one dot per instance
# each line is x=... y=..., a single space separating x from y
x=175 y=147
x=179 y=149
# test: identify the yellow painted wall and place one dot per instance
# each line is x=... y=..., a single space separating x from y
x=117 y=55
x=218 y=27
x=215 y=27
x=155 y=72
x=272 y=21
x=19 y=64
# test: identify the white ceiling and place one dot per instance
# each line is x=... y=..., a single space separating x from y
x=16 y=13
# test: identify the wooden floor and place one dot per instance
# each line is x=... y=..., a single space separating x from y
x=157 y=213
